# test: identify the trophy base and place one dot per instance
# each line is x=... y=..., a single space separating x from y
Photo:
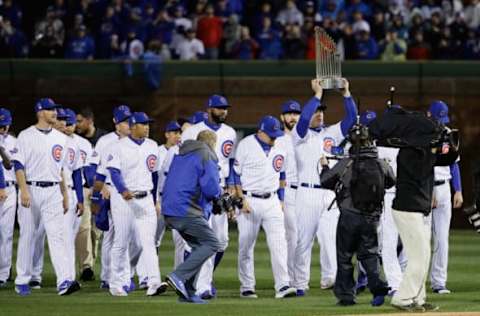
x=332 y=83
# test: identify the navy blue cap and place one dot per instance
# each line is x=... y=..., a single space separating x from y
x=217 y=101
x=45 y=104
x=5 y=117
x=61 y=114
x=291 y=106
x=198 y=117
x=173 y=126
x=71 y=117
x=271 y=126
x=139 y=118
x=121 y=113
x=367 y=117
x=439 y=111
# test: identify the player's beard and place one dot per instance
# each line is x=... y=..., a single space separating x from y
x=218 y=119
x=290 y=125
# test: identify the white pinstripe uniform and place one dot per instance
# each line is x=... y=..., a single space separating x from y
x=224 y=149
x=136 y=218
x=260 y=173
x=286 y=142
x=42 y=155
x=312 y=204
x=7 y=210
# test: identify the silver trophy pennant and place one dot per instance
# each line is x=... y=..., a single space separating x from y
x=328 y=63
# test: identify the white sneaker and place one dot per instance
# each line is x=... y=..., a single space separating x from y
x=157 y=289
x=118 y=292
x=441 y=290
x=327 y=284
x=286 y=291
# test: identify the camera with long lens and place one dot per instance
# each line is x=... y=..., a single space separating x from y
x=226 y=203
x=473 y=216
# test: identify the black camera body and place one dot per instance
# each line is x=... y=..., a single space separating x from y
x=473 y=216
x=226 y=203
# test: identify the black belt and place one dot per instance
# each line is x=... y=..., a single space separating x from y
x=42 y=184
x=440 y=182
x=311 y=185
x=140 y=194
x=9 y=183
x=292 y=186
x=258 y=196
x=86 y=186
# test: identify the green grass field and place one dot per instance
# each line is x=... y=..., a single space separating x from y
x=464 y=281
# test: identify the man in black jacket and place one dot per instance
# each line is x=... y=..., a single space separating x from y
x=358 y=222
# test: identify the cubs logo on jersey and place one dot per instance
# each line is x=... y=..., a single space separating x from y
x=277 y=162
x=57 y=152
x=227 y=147
x=151 y=162
x=328 y=143
x=71 y=156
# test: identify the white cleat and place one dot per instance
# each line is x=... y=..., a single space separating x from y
x=286 y=291
x=248 y=294
x=157 y=289
x=118 y=292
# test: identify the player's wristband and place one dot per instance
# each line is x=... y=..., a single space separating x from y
x=281 y=194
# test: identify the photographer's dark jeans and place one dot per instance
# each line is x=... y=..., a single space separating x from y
x=203 y=241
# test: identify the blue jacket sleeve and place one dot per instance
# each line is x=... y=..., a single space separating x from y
x=209 y=184
x=77 y=184
x=456 y=178
x=307 y=113
x=155 y=186
x=2 y=179
x=117 y=180
x=351 y=113
x=99 y=177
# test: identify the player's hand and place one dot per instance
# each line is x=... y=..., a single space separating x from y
x=231 y=215
x=80 y=209
x=458 y=199
x=158 y=209
x=246 y=207
x=323 y=161
x=3 y=195
x=25 y=198
x=127 y=195
x=95 y=208
x=282 y=204
x=434 y=202
x=105 y=193
x=345 y=91
x=317 y=88
x=65 y=203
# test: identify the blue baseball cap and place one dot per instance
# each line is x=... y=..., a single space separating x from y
x=173 y=126
x=61 y=114
x=139 y=118
x=291 y=106
x=45 y=104
x=367 y=117
x=439 y=111
x=271 y=126
x=5 y=117
x=198 y=117
x=217 y=101
x=71 y=117
x=121 y=113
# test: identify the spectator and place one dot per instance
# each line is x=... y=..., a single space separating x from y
x=269 y=41
x=378 y=26
x=331 y=9
x=163 y=28
x=113 y=50
x=418 y=49
x=13 y=43
x=231 y=35
x=222 y=10
x=50 y=21
x=393 y=48
x=429 y=7
x=459 y=29
x=110 y=25
x=85 y=9
x=331 y=27
x=246 y=47
x=60 y=9
x=12 y=12
x=265 y=11
x=472 y=14
x=472 y=46
x=210 y=31
x=152 y=64
x=121 y=10
x=444 y=50
x=235 y=6
x=180 y=20
x=81 y=46
x=399 y=26
x=366 y=46
x=47 y=46
x=434 y=31
x=397 y=7
x=360 y=6
x=132 y=46
x=416 y=24
x=359 y=22
x=293 y=44
x=310 y=12
x=190 y=48
x=198 y=13
x=348 y=44
x=137 y=24
x=290 y=14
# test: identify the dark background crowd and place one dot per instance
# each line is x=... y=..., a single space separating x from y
x=389 y=30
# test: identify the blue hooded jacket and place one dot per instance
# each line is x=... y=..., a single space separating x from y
x=193 y=181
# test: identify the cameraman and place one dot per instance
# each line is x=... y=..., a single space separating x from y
x=191 y=184
x=359 y=182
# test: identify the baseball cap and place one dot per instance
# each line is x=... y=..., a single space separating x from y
x=367 y=117
x=217 y=101
x=198 y=117
x=271 y=126
x=5 y=117
x=71 y=117
x=291 y=106
x=45 y=104
x=61 y=114
x=173 y=126
x=439 y=111
x=121 y=113
x=139 y=118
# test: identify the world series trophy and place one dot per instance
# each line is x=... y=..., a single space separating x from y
x=327 y=61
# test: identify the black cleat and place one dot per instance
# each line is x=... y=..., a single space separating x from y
x=87 y=275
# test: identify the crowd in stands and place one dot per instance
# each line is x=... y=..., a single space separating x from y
x=389 y=30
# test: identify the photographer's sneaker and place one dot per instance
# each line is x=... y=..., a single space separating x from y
x=441 y=290
x=285 y=292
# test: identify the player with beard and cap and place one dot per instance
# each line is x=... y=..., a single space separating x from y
x=217 y=109
x=290 y=113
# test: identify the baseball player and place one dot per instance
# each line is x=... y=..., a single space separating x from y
x=442 y=211
x=134 y=215
x=217 y=108
x=8 y=195
x=259 y=176
x=312 y=140
x=38 y=160
x=290 y=113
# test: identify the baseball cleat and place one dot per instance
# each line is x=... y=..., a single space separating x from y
x=35 y=285
x=144 y=284
x=391 y=293
x=119 y=292
x=362 y=283
x=441 y=290
x=22 y=289
x=157 y=289
x=194 y=299
x=132 y=286
x=413 y=307
x=68 y=287
x=286 y=291
x=177 y=284
x=378 y=300
x=104 y=285
x=248 y=294
x=430 y=307
x=87 y=275
x=301 y=292
x=327 y=284
x=207 y=295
